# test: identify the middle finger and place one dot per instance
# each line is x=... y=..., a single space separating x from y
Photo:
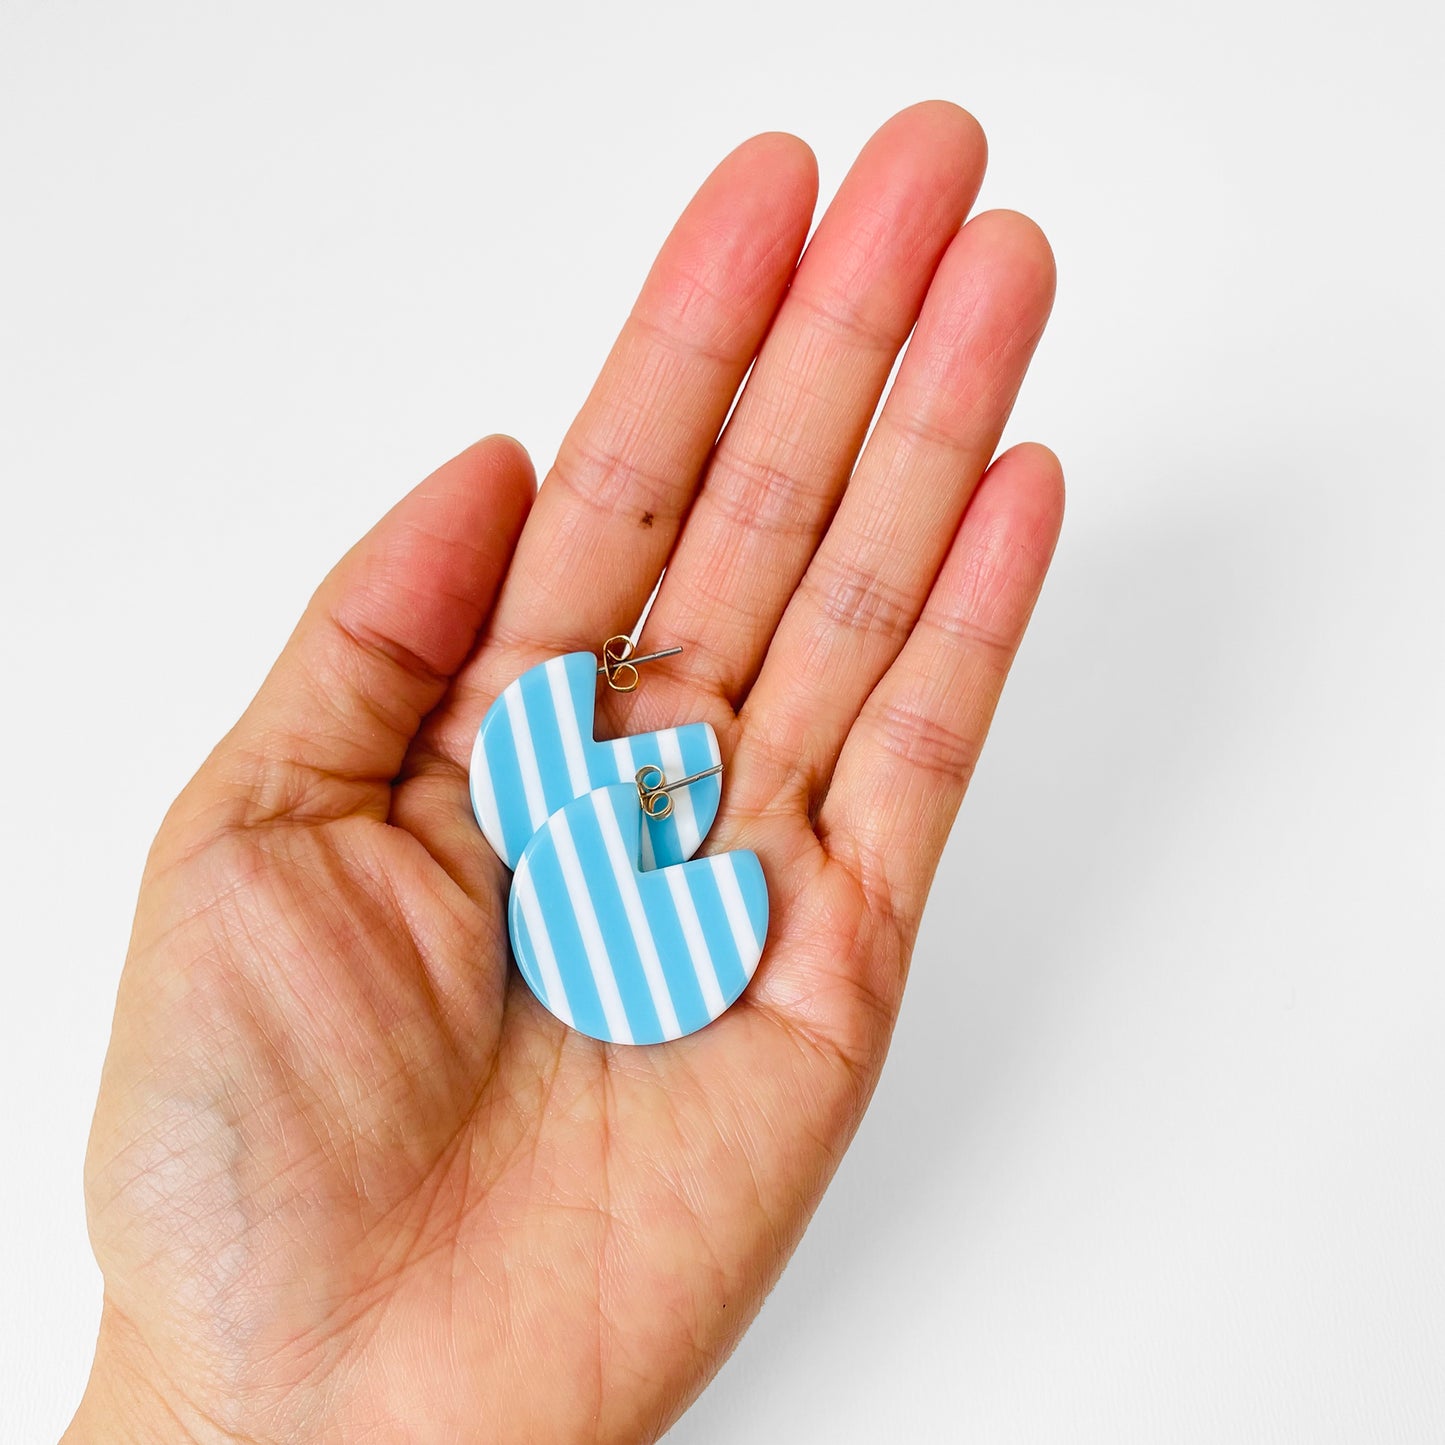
x=784 y=458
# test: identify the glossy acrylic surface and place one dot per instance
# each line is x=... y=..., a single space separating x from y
x=535 y=751
x=626 y=953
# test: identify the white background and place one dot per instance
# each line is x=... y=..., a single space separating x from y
x=1159 y=1152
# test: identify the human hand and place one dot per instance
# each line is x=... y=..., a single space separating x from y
x=347 y=1179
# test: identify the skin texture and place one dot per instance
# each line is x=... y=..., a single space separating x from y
x=347 y=1180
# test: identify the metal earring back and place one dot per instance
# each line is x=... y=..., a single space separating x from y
x=619 y=666
x=654 y=796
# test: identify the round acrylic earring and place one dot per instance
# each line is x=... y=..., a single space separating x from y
x=625 y=953
x=536 y=751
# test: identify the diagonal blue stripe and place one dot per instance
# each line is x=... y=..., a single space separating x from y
x=616 y=928
x=524 y=948
x=566 y=939
x=546 y=738
x=687 y=999
x=706 y=792
x=501 y=754
x=715 y=927
x=754 y=887
x=581 y=671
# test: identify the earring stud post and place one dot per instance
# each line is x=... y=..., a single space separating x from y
x=654 y=796
x=619 y=666
x=638 y=661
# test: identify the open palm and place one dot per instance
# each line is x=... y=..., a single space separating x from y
x=348 y=1180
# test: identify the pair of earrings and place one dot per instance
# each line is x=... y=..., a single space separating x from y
x=618 y=930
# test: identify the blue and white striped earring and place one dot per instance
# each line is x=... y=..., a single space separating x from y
x=535 y=751
x=623 y=952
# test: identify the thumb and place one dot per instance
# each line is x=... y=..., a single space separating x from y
x=379 y=642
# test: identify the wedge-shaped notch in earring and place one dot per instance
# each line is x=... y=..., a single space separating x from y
x=626 y=954
x=536 y=751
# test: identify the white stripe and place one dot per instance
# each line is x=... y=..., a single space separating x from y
x=623 y=871
x=713 y=753
x=484 y=798
x=526 y=757
x=702 y=964
x=749 y=945
x=591 y=930
x=526 y=891
x=671 y=752
x=567 y=725
x=627 y=766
